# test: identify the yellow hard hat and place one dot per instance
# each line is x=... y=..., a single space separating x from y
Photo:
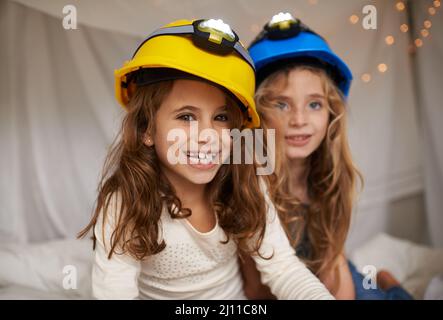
x=207 y=49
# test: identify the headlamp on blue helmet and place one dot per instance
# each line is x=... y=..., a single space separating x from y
x=285 y=40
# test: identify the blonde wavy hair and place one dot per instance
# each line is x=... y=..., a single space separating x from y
x=332 y=179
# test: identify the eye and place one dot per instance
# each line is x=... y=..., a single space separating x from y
x=315 y=105
x=186 y=117
x=282 y=105
x=222 y=117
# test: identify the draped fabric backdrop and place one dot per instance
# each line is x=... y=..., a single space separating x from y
x=429 y=78
x=58 y=114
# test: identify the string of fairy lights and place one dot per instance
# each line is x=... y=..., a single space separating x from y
x=419 y=36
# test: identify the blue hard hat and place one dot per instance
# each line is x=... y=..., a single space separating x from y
x=286 y=40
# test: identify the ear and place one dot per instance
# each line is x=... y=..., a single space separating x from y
x=148 y=140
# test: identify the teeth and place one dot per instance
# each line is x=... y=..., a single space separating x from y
x=205 y=161
x=299 y=138
x=201 y=157
x=193 y=160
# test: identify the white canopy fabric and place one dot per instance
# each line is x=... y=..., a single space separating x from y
x=429 y=94
x=58 y=114
x=140 y=17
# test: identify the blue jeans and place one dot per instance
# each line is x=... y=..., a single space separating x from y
x=394 y=293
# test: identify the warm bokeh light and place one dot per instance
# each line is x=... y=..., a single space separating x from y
x=400 y=6
x=427 y=24
x=424 y=33
x=382 y=67
x=404 y=27
x=353 y=19
x=366 y=77
x=389 y=40
x=418 y=43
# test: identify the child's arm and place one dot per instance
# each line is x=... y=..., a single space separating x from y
x=345 y=289
x=253 y=288
x=114 y=278
x=256 y=290
x=284 y=273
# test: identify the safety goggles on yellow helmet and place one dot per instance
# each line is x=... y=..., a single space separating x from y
x=206 y=49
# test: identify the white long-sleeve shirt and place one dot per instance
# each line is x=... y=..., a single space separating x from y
x=197 y=265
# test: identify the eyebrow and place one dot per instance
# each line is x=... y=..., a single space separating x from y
x=311 y=95
x=282 y=97
x=316 y=95
x=223 y=108
x=196 y=109
x=192 y=108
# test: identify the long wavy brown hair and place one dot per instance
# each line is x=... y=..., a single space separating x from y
x=332 y=179
x=132 y=171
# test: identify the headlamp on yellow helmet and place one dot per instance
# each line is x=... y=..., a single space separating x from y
x=205 y=49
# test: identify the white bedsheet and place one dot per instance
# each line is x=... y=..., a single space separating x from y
x=35 y=271
x=412 y=264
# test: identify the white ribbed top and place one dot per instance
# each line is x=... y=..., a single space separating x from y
x=197 y=265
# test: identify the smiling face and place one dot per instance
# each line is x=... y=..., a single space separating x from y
x=300 y=112
x=189 y=105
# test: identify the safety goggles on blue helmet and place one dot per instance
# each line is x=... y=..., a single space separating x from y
x=285 y=40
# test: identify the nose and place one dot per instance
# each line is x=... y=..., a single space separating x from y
x=207 y=132
x=297 y=117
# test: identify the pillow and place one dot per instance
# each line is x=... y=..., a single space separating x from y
x=412 y=264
